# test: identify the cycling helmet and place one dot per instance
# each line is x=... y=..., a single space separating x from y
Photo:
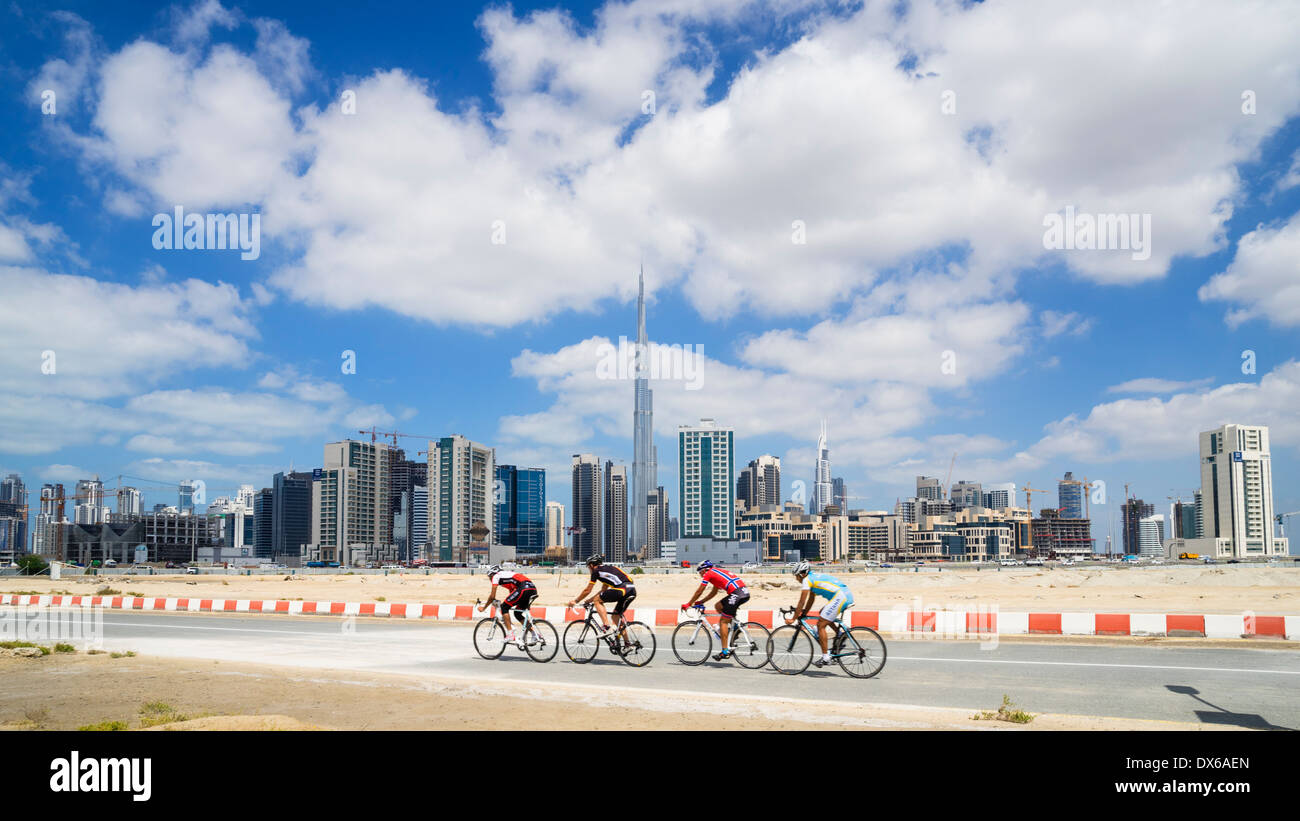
x=802 y=568
x=494 y=569
x=703 y=566
x=596 y=559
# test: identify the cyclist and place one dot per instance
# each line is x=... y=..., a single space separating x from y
x=522 y=592
x=616 y=588
x=734 y=591
x=840 y=598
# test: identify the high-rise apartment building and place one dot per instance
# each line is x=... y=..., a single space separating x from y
x=1151 y=535
x=263 y=522
x=350 y=502
x=616 y=522
x=760 y=482
x=657 y=506
x=129 y=501
x=928 y=487
x=1237 y=491
x=462 y=476
x=588 y=507
x=840 y=494
x=999 y=496
x=706 y=455
x=967 y=494
x=185 y=496
x=90 y=502
x=555 y=524
x=1133 y=512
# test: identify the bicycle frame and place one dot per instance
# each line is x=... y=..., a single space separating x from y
x=696 y=614
x=611 y=638
x=840 y=630
x=525 y=626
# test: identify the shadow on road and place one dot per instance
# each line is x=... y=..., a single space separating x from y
x=1250 y=721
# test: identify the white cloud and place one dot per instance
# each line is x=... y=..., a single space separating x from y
x=710 y=191
x=1056 y=323
x=1263 y=279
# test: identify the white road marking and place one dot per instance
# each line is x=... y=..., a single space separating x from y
x=1096 y=664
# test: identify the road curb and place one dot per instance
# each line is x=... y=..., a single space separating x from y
x=937 y=623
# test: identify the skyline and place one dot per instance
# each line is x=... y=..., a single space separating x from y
x=175 y=364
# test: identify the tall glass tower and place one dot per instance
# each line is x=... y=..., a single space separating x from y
x=645 y=468
x=823 y=490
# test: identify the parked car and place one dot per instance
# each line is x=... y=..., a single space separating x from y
x=886 y=564
x=191 y=571
x=110 y=563
x=750 y=566
x=1007 y=563
x=391 y=567
x=870 y=563
x=1034 y=563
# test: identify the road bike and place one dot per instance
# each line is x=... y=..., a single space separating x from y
x=692 y=641
x=859 y=650
x=537 y=637
x=634 y=642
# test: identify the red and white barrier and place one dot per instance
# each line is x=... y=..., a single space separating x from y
x=941 y=623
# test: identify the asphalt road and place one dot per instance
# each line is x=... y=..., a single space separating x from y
x=1239 y=687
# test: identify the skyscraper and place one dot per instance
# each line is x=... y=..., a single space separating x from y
x=129 y=502
x=822 y=488
x=840 y=494
x=616 y=524
x=1151 y=534
x=90 y=504
x=706 y=456
x=291 y=513
x=657 y=506
x=461 y=480
x=554 y=524
x=760 y=482
x=645 y=462
x=928 y=487
x=966 y=494
x=588 y=507
x=1237 y=490
x=1134 y=511
x=1069 y=497
x=520 y=508
x=350 y=502
x=13 y=504
x=263 y=522
x=184 y=494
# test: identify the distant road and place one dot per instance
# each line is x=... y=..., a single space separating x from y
x=1246 y=687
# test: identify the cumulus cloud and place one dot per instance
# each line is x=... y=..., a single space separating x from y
x=788 y=192
x=1157 y=385
x=1263 y=279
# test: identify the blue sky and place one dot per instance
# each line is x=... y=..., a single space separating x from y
x=922 y=234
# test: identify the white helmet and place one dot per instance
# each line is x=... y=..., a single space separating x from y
x=802 y=568
x=494 y=569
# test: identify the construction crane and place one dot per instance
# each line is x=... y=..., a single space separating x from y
x=394 y=435
x=1281 y=525
x=1029 y=492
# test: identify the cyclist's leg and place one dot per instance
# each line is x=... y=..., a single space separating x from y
x=620 y=611
x=600 y=600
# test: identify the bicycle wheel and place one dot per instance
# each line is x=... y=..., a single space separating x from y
x=691 y=643
x=542 y=642
x=580 y=642
x=866 y=652
x=790 y=649
x=749 y=644
x=489 y=638
x=639 y=645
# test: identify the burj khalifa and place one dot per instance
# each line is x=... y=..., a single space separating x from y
x=645 y=469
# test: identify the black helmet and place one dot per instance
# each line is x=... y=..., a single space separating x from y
x=596 y=559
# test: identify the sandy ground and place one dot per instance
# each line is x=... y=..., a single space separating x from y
x=1191 y=589
x=50 y=693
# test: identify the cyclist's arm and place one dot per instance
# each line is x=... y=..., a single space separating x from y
x=581 y=595
x=694 y=596
x=491 y=597
x=713 y=591
x=806 y=599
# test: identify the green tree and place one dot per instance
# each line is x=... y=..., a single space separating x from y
x=30 y=564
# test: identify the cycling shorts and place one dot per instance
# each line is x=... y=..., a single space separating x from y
x=732 y=602
x=622 y=597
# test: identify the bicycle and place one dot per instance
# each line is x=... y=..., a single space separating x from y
x=538 y=637
x=692 y=643
x=859 y=650
x=634 y=642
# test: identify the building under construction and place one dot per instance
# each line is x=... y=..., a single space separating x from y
x=1057 y=536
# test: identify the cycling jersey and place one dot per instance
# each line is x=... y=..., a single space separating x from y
x=826 y=586
x=511 y=580
x=722 y=580
x=611 y=575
